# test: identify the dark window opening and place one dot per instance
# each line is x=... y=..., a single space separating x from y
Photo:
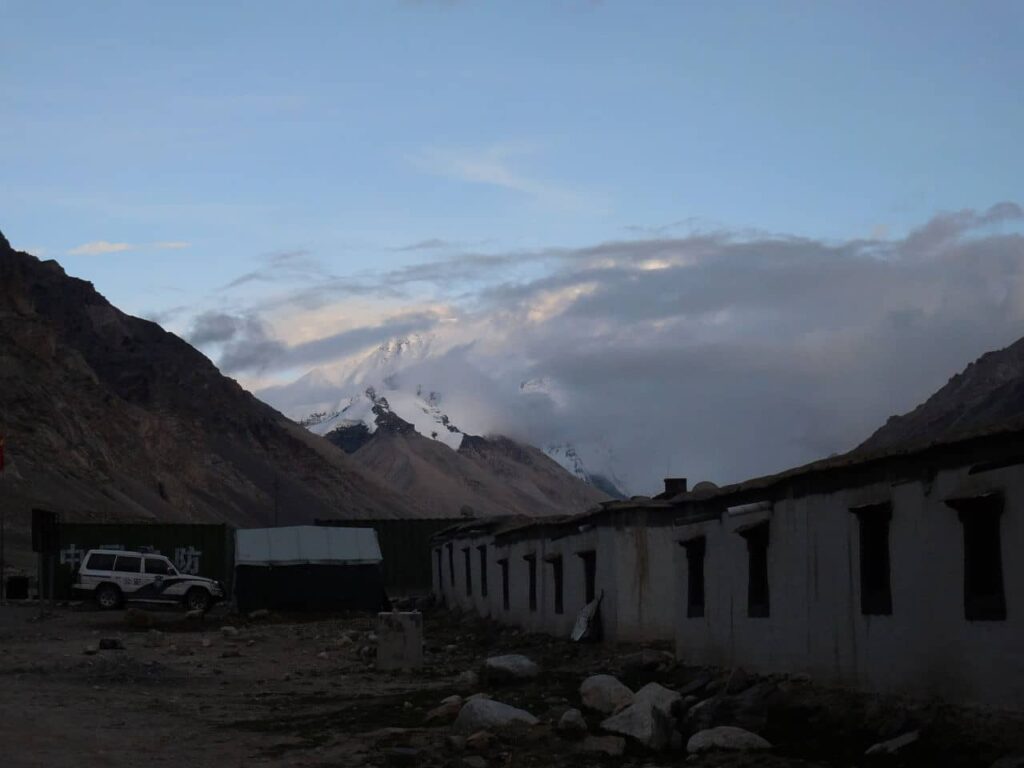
x=157 y=566
x=469 y=571
x=695 y=549
x=483 y=570
x=99 y=562
x=589 y=559
x=451 y=564
x=126 y=564
x=758 y=605
x=531 y=565
x=875 y=580
x=440 y=572
x=984 y=595
x=504 y=583
x=557 y=575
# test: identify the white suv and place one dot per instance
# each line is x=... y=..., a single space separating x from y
x=114 y=576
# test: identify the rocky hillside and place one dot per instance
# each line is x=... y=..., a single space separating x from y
x=107 y=417
x=988 y=394
x=482 y=477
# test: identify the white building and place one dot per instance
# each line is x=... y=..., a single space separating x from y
x=896 y=573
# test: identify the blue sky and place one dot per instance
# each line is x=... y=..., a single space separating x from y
x=351 y=129
x=729 y=237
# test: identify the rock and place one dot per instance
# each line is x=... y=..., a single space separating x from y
x=605 y=694
x=154 y=638
x=259 y=613
x=229 y=631
x=646 y=661
x=467 y=680
x=613 y=746
x=736 y=681
x=446 y=712
x=699 y=683
x=661 y=697
x=510 y=668
x=486 y=714
x=572 y=723
x=207 y=642
x=344 y=642
x=480 y=741
x=323 y=655
x=111 y=644
x=90 y=650
x=231 y=653
x=650 y=719
x=1010 y=761
x=474 y=761
x=725 y=737
x=892 y=746
x=197 y=615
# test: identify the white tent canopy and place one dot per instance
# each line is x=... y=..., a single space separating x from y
x=306 y=544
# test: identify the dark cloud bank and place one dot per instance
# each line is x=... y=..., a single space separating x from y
x=713 y=356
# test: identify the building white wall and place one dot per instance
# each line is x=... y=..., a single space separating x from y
x=925 y=647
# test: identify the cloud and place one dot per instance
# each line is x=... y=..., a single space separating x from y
x=100 y=247
x=426 y=245
x=715 y=355
x=493 y=166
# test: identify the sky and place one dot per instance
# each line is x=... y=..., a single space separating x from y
x=647 y=203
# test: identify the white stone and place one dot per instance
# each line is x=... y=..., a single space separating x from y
x=605 y=694
x=893 y=745
x=572 y=722
x=489 y=715
x=510 y=667
x=725 y=737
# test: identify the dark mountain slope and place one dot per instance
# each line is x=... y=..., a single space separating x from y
x=987 y=395
x=107 y=416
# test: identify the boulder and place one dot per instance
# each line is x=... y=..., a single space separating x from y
x=229 y=631
x=646 y=660
x=650 y=719
x=111 y=644
x=467 y=681
x=446 y=711
x=725 y=737
x=605 y=694
x=892 y=746
x=480 y=741
x=697 y=684
x=489 y=715
x=613 y=746
x=572 y=723
x=511 y=668
x=660 y=697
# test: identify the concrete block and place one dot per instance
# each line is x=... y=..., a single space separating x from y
x=399 y=640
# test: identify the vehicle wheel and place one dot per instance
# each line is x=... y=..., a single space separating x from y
x=197 y=600
x=108 y=596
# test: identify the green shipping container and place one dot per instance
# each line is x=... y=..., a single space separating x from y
x=203 y=550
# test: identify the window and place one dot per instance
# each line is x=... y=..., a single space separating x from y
x=504 y=583
x=531 y=565
x=128 y=564
x=451 y=564
x=483 y=570
x=984 y=597
x=158 y=566
x=589 y=559
x=758 y=605
x=557 y=576
x=695 y=549
x=469 y=571
x=98 y=562
x=440 y=572
x=875 y=587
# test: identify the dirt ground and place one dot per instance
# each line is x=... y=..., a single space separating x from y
x=301 y=691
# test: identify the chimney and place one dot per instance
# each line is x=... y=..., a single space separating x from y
x=674 y=486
